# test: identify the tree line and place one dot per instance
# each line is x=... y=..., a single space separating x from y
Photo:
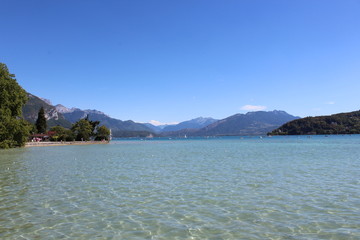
x=15 y=131
x=82 y=130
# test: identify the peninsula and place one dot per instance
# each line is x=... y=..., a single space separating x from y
x=342 y=123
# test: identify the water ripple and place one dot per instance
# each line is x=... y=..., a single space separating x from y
x=279 y=188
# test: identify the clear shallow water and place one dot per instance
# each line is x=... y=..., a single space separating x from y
x=231 y=188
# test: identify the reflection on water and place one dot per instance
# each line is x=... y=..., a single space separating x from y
x=231 y=188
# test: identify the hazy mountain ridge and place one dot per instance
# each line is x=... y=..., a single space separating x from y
x=251 y=123
x=195 y=123
x=156 y=129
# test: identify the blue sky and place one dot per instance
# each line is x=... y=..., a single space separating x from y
x=172 y=61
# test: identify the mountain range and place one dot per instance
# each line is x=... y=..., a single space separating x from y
x=74 y=114
x=252 y=123
x=60 y=115
x=54 y=117
x=195 y=123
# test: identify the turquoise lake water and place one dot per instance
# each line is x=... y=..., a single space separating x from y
x=228 y=188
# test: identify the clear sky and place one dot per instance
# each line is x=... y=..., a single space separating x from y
x=174 y=60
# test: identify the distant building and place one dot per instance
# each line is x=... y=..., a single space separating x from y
x=41 y=137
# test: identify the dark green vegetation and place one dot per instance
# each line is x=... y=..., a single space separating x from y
x=22 y=114
x=13 y=129
x=62 y=134
x=82 y=130
x=342 y=123
x=102 y=133
x=85 y=129
x=41 y=121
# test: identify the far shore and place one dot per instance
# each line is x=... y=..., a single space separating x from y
x=46 y=144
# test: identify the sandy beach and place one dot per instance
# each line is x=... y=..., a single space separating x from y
x=46 y=144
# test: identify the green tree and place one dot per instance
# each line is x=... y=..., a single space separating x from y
x=41 y=121
x=94 y=125
x=82 y=130
x=62 y=134
x=103 y=133
x=14 y=131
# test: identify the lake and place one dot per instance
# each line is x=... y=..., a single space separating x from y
x=294 y=187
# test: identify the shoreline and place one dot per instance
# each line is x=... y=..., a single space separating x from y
x=47 y=144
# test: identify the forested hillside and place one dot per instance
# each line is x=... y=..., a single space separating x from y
x=342 y=123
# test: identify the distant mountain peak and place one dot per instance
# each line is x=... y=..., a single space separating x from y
x=62 y=109
x=32 y=107
x=46 y=100
x=94 y=112
x=195 y=123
